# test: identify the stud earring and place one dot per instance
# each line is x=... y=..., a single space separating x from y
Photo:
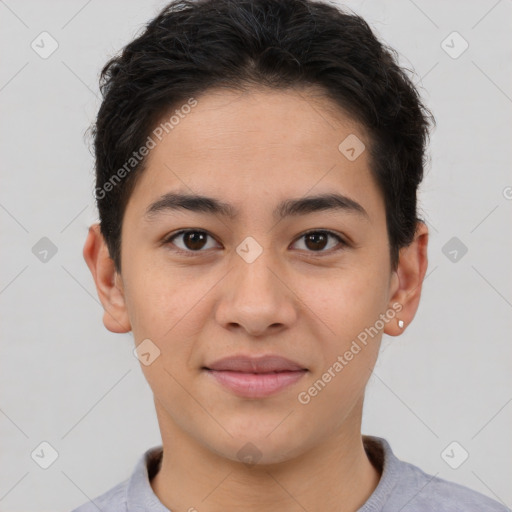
x=401 y=324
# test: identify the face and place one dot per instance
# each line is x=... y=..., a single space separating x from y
x=284 y=269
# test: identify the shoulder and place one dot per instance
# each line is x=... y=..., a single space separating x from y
x=133 y=493
x=407 y=488
x=419 y=491
x=431 y=493
x=114 y=500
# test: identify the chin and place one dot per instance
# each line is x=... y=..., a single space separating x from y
x=261 y=442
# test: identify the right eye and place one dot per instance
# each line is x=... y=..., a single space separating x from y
x=191 y=240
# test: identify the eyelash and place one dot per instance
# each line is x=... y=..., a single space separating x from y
x=191 y=253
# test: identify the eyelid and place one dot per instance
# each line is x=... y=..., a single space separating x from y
x=342 y=241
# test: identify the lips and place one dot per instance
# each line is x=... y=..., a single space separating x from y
x=262 y=364
x=253 y=377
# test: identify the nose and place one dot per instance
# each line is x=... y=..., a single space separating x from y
x=256 y=298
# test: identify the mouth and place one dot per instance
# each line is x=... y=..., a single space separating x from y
x=252 y=377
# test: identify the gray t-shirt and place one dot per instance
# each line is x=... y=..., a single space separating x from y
x=402 y=487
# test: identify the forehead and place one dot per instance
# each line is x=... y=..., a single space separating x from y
x=260 y=118
x=260 y=144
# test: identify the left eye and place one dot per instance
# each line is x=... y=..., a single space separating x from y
x=316 y=241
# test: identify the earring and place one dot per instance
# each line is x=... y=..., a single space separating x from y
x=401 y=324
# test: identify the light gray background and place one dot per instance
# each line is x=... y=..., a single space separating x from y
x=68 y=381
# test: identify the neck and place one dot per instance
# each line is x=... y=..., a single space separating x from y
x=336 y=475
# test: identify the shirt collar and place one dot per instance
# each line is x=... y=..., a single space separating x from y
x=140 y=495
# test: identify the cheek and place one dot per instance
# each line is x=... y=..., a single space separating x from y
x=349 y=355
x=351 y=306
x=166 y=309
x=348 y=301
x=157 y=298
x=169 y=307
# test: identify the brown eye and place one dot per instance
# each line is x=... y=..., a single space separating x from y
x=190 y=241
x=317 y=241
x=194 y=240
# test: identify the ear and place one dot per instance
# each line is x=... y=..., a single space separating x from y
x=108 y=281
x=407 y=280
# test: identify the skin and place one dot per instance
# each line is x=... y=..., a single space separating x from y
x=253 y=150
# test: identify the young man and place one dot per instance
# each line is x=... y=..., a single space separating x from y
x=257 y=167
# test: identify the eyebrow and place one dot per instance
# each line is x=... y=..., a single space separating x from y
x=174 y=201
